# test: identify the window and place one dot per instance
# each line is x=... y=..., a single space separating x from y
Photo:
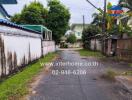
x=79 y=34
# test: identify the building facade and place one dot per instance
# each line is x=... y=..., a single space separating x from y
x=77 y=29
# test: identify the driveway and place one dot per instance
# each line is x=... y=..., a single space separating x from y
x=75 y=82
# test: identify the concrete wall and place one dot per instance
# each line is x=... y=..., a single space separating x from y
x=95 y=45
x=19 y=47
x=48 y=46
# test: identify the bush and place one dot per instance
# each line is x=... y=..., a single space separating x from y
x=71 y=39
x=65 y=46
x=90 y=31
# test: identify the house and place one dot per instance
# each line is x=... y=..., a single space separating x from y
x=3 y=12
x=77 y=29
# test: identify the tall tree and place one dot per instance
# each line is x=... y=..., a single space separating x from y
x=58 y=19
x=34 y=13
x=89 y=32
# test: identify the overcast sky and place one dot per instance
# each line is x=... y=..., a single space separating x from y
x=77 y=8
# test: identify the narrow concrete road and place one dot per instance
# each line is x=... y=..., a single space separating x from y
x=70 y=86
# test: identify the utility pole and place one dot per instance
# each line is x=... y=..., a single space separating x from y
x=104 y=27
x=104 y=17
x=83 y=22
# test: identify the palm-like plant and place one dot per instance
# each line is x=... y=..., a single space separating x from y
x=126 y=4
x=97 y=19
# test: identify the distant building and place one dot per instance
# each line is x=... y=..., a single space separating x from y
x=77 y=29
x=3 y=12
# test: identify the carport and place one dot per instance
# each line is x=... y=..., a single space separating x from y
x=45 y=32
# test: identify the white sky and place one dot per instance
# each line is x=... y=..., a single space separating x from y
x=77 y=8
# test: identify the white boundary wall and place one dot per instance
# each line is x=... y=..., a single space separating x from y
x=23 y=44
x=96 y=43
x=48 y=46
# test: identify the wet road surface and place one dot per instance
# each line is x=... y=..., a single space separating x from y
x=61 y=85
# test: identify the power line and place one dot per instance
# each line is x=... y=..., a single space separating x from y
x=92 y=4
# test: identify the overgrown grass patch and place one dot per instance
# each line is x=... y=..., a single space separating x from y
x=109 y=75
x=128 y=73
x=16 y=86
x=130 y=64
x=85 y=52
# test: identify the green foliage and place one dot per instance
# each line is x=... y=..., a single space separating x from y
x=109 y=75
x=71 y=38
x=16 y=18
x=126 y=4
x=90 y=31
x=129 y=73
x=65 y=46
x=97 y=19
x=16 y=86
x=34 y=13
x=58 y=19
x=85 y=52
x=119 y=30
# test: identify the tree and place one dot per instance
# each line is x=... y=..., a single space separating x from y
x=16 y=18
x=90 y=31
x=71 y=38
x=34 y=13
x=120 y=30
x=58 y=19
x=97 y=19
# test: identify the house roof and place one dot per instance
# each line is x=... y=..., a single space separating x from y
x=3 y=11
x=8 y=2
x=77 y=24
x=10 y=24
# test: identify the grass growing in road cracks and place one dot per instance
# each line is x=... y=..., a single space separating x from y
x=109 y=75
x=128 y=73
x=16 y=86
x=84 y=52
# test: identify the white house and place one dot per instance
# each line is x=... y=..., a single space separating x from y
x=77 y=29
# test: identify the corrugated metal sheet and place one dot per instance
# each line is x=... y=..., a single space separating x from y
x=8 y=23
x=38 y=28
